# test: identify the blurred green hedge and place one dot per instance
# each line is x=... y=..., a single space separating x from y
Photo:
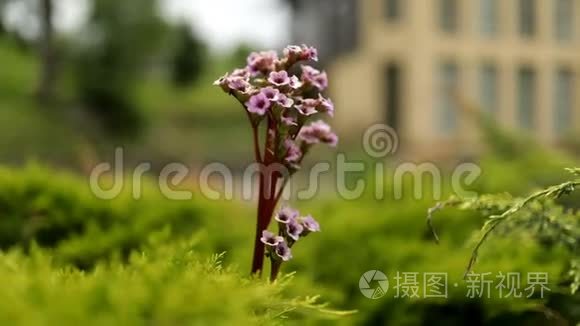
x=57 y=210
x=126 y=250
x=164 y=285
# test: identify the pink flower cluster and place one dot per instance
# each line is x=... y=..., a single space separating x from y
x=291 y=228
x=269 y=92
x=285 y=102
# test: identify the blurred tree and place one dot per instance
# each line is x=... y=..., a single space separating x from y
x=24 y=14
x=2 y=29
x=189 y=57
x=240 y=54
x=48 y=70
x=117 y=46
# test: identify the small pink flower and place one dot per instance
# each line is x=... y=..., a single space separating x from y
x=229 y=83
x=309 y=72
x=286 y=214
x=244 y=73
x=294 y=229
x=292 y=51
x=271 y=93
x=222 y=83
x=269 y=239
x=318 y=132
x=314 y=77
x=238 y=84
x=326 y=105
x=279 y=78
x=293 y=152
x=262 y=62
x=321 y=81
x=309 y=53
x=283 y=251
x=258 y=104
x=307 y=106
x=289 y=121
x=285 y=101
x=309 y=224
x=295 y=83
x=297 y=53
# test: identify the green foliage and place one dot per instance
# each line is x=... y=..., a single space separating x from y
x=365 y=236
x=56 y=210
x=537 y=213
x=138 y=260
x=162 y=285
x=575 y=171
x=130 y=247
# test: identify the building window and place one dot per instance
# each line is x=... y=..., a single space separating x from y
x=392 y=93
x=489 y=17
x=563 y=101
x=488 y=89
x=448 y=79
x=340 y=32
x=527 y=17
x=526 y=97
x=392 y=9
x=448 y=15
x=564 y=19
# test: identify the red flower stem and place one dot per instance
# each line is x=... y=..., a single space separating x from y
x=256 y=139
x=265 y=199
x=268 y=197
x=258 y=257
x=274 y=269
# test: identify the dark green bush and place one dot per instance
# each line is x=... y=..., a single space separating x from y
x=59 y=211
x=163 y=285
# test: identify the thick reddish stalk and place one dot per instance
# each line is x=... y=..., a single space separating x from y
x=266 y=199
x=268 y=196
x=258 y=258
x=267 y=202
x=275 y=269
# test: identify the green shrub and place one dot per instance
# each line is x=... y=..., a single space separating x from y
x=358 y=236
x=163 y=285
x=59 y=211
x=393 y=238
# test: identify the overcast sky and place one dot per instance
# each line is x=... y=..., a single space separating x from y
x=222 y=23
x=225 y=23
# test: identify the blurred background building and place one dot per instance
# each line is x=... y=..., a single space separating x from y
x=80 y=77
x=421 y=66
